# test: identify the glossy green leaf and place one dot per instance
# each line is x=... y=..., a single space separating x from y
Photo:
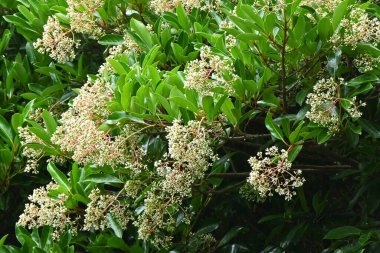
x=273 y=128
x=59 y=177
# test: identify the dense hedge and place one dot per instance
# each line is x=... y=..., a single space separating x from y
x=189 y=126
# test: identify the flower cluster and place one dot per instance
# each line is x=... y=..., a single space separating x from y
x=129 y=46
x=157 y=222
x=358 y=27
x=323 y=101
x=161 y=6
x=273 y=173
x=46 y=210
x=231 y=42
x=82 y=18
x=81 y=137
x=365 y=63
x=322 y=7
x=209 y=72
x=189 y=156
x=93 y=98
x=32 y=155
x=203 y=242
x=354 y=108
x=100 y=205
x=78 y=133
x=56 y=41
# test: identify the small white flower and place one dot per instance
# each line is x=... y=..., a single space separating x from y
x=272 y=173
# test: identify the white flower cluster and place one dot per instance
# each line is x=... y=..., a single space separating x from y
x=354 y=108
x=78 y=133
x=203 y=242
x=365 y=63
x=100 y=205
x=272 y=173
x=209 y=72
x=56 y=41
x=32 y=155
x=231 y=42
x=81 y=137
x=82 y=18
x=46 y=210
x=156 y=222
x=190 y=155
x=323 y=101
x=358 y=27
x=161 y=6
x=93 y=98
x=128 y=46
x=322 y=7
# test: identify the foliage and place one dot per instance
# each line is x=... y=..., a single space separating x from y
x=189 y=126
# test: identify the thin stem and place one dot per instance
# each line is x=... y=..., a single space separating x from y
x=245 y=137
x=303 y=167
x=226 y=188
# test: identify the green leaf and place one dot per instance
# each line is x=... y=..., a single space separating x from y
x=7 y=35
x=299 y=28
x=294 y=152
x=293 y=137
x=117 y=117
x=182 y=18
x=370 y=128
x=208 y=107
x=40 y=133
x=2 y=240
x=323 y=136
x=111 y=39
x=6 y=131
x=207 y=229
x=115 y=225
x=248 y=12
x=184 y=103
x=273 y=128
x=365 y=78
x=117 y=66
x=342 y=232
x=50 y=123
x=142 y=32
x=230 y=235
x=324 y=28
x=45 y=236
x=59 y=177
x=103 y=179
x=339 y=13
x=242 y=24
x=228 y=108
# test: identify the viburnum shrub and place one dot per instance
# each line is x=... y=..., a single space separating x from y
x=185 y=105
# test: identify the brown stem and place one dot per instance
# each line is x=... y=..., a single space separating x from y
x=303 y=167
x=226 y=188
x=245 y=137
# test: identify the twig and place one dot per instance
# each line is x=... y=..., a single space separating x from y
x=245 y=137
x=225 y=189
x=314 y=168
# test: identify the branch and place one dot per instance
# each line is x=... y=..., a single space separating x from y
x=247 y=137
x=303 y=167
x=225 y=189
